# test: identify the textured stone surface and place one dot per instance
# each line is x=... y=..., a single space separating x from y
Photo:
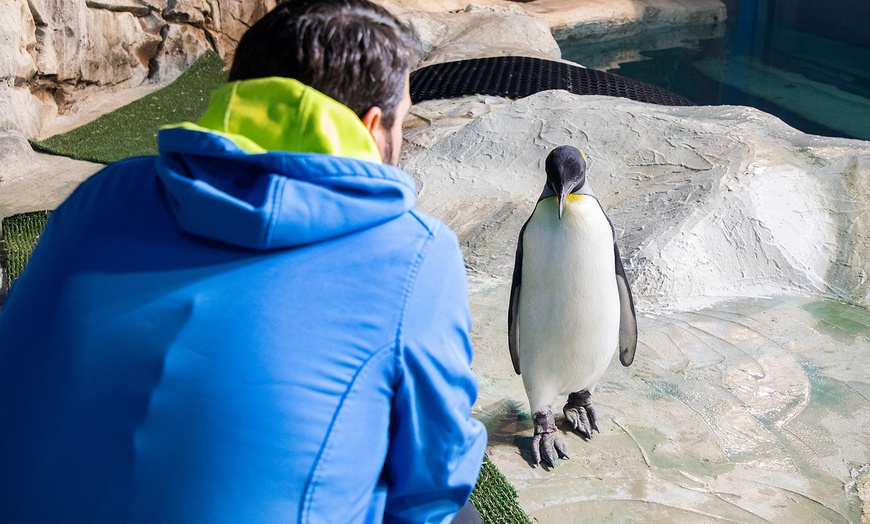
x=864 y=493
x=193 y=12
x=22 y=112
x=479 y=32
x=594 y=20
x=742 y=239
x=56 y=54
x=80 y=44
x=230 y=20
x=17 y=43
x=31 y=181
x=741 y=204
x=60 y=53
x=182 y=46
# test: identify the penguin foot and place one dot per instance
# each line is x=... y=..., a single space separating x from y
x=580 y=414
x=547 y=443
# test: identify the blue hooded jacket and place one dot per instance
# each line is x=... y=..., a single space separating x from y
x=253 y=326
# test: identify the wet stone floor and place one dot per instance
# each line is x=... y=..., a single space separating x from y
x=752 y=410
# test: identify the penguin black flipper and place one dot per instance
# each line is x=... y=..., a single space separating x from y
x=514 y=304
x=627 y=317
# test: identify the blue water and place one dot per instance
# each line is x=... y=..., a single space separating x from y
x=815 y=84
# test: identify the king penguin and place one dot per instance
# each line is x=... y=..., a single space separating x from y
x=570 y=303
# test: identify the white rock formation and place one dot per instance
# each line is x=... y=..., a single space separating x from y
x=479 y=32
x=748 y=399
x=598 y=20
x=182 y=46
x=31 y=181
x=17 y=42
x=710 y=202
x=55 y=54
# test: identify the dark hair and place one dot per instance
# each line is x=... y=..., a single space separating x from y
x=351 y=50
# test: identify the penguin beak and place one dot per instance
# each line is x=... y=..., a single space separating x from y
x=561 y=203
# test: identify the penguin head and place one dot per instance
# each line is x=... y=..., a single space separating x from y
x=566 y=172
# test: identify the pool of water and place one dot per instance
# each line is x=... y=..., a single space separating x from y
x=816 y=84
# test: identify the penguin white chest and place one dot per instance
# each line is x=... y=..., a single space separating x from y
x=569 y=302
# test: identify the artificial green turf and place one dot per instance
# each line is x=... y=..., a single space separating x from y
x=132 y=130
x=20 y=234
x=495 y=498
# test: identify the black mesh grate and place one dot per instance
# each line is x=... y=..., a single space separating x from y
x=520 y=76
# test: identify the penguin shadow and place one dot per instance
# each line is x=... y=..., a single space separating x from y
x=503 y=419
x=524 y=446
x=508 y=425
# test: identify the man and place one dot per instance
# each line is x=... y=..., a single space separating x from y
x=255 y=325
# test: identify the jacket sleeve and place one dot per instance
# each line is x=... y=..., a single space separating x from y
x=436 y=447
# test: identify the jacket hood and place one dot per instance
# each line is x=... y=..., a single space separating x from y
x=274 y=163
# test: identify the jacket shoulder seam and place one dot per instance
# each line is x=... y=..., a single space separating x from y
x=411 y=280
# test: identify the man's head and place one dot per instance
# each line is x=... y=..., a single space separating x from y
x=351 y=50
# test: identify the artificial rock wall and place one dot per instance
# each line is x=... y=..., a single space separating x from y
x=54 y=53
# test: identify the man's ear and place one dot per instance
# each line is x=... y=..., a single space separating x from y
x=372 y=120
